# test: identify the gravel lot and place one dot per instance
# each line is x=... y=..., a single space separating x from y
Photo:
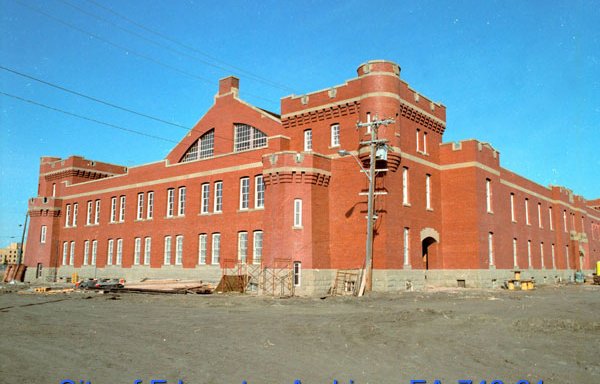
x=550 y=334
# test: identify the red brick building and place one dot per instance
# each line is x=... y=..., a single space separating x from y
x=249 y=186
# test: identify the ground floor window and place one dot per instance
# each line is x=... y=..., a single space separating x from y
x=297 y=273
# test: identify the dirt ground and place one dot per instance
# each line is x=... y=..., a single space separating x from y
x=550 y=334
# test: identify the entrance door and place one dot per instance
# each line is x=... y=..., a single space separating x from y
x=429 y=247
x=38 y=271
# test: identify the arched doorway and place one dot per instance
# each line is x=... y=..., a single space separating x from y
x=429 y=248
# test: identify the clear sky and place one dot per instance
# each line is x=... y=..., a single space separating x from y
x=522 y=75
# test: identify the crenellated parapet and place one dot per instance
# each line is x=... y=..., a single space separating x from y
x=295 y=167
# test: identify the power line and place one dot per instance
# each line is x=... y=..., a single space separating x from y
x=92 y=98
x=86 y=118
x=161 y=35
x=123 y=48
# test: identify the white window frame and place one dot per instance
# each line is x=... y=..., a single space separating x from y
x=540 y=224
x=150 y=206
x=405 y=186
x=528 y=253
x=425 y=143
x=527 y=211
x=113 y=209
x=542 y=255
x=68 y=215
x=567 y=256
x=110 y=252
x=550 y=218
x=244 y=193
x=86 y=252
x=297 y=213
x=218 y=203
x=179 y=250
x=216 y=249
x=140 y=206
x=205 y=196
x=491 y=248
x=43 y=234
x=147 y=250
x=512 y=207
x=308 y=146
x=418 y=140
x=565 y=220
x=428 y=192
x=257 y=247
x=488 y=195
x=242 y=247
x=181 y=202
x=515 y=254
x=75 y=209
x=65 y=252
x=167 y=251
x=406 y=246
x=202 y=247
x=259 y=192
x=94 y=252
x=72 y=254
x=335 y=135
x=170 y=202
x=97 y=212
x=553 y=256
x=119 y=256
x=88 y=218
x=122 y=209
x=137 y=251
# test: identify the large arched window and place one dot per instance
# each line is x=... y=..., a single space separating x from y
x=248 y=137
x=202 y=148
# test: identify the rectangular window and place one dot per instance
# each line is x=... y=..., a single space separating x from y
x=137 y=251
x=113 y=209
x=406 y=246
x=218 y=196
x=147 y=250
x=405 y=186
x=308 y=140
x=68 y=215
x=418 y=140
x=205 y=197
x=72 y=254
x=491 y=248
x=150 y=208
x=298 y=213
x=297 y=273
x=216 y=248
x=540 y=215
x=550 y=219
x=109 y=252
x=167 y=260
x=515 y=262
x=428 y=191
x=88 y=217
x=527 y=211
x=259 y=192
x=542 y=255
x=202 y=248
x=170 y=202
x=86 y=252
x=119 y=260
x=244 y=192
x=567 y=256
x=43 y=234
x=94 y=251
x=97 y=213
x=553 y=257
x=258 y=247
x=488 y=195
x=53 y=190
x=181 y=209
x=528 y=253
x=140 y=206
x=65 y=252
x=425 y=142
x=179 y=250
x=242 y=247
x=512 y=208
x=122 y=210
x=75 y=206
x=335 y=135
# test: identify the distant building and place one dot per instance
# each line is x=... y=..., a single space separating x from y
x=10 y=254
x=251 y=188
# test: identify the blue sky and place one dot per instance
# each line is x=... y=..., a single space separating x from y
x=522 y=75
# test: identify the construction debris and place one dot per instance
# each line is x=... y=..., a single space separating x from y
x=14 y=272
x=168 y=286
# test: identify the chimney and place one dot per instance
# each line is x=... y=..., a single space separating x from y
x=229 y=84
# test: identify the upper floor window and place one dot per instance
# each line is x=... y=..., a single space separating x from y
x=550 y=218
x=244 y=192
x=202 y=148
x=218 y=196
x=488 y=195
x=150 y=206
x=418 y=140
x=181 y=202
x=428 y=191
x=298 y=213
x=204 y=197
x=140 y=206
x=405 y=186
x=512 y=207
x=75 y=206
x=335 y=135
x=259 y=192
x=170 y=202
x=97 y=212
x=248 y=137
x=113 y=209
x=308 y=140
x=540 y=215
x=43 y=234
x=122 y=209
x=527 y=211
x=425 y=142
x=68 y=215
x=88 y=217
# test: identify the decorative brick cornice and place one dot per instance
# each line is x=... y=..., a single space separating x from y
x=43 y=212
x=327 y=113
x=296 y=177
x=419 y=117
x=76 y=172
